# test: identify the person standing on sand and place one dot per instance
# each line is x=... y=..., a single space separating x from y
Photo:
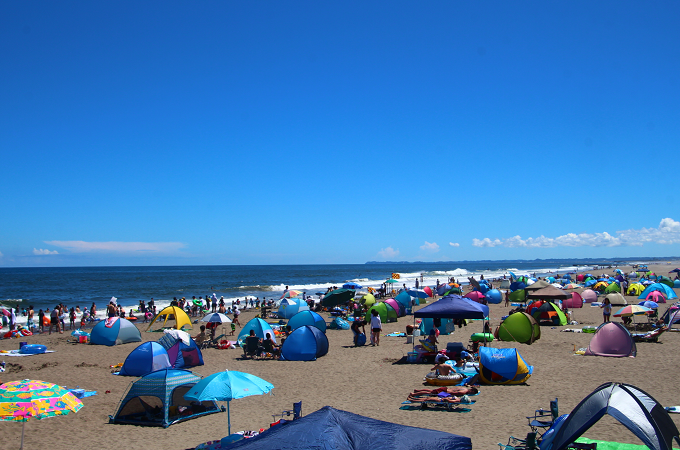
x=110 y=310
x=606 y=310
x=376 y=327
x=507 y=298
x=29 y=320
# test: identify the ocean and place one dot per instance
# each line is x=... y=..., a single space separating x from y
x=82 y=286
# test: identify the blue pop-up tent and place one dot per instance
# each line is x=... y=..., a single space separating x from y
x=260 y=327
x=291 y=306
x=342 y=430
x=307 y=318
x=304 y=344
x=664 y=289
x=146 y=358
x=114 y=331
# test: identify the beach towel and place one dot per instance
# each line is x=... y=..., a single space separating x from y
x=4 y=353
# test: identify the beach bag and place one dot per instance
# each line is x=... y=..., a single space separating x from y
x=361 y=340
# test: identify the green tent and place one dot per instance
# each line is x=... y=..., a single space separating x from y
x=665 y=280
x=544 y=314
x=386 y=312
x=614 y=287
x=518 y=295
x=368 y=300
x=519 y=327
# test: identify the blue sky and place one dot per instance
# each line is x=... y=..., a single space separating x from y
x=270 y=132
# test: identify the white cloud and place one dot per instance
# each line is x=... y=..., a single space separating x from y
x=430 y=247
x=117 y=247
x=1 y=255
x=454 y=244
x=388 y=253
x=44 y=251
x=668 y=232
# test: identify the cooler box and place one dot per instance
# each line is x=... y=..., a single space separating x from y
x=411 y=357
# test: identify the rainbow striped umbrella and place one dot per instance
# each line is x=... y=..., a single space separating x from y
x=632 y=310
x=23 y=400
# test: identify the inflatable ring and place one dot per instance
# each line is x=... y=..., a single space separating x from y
x=396 y=276
x=442 y=380
x=46 y=321
x=25 y=332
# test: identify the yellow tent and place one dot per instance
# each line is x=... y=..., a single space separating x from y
x=180 y=316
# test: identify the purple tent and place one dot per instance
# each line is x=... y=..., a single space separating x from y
x=612 y=339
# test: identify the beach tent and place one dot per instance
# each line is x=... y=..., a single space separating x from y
x=665 y=280
x=368 y=300
x=519 y=327
x=547 y=293
x=304 y=344
x=261 y=328
x=656 y=296
x=476 y=296
x=676 y=283
x=549 y=314
x=157 y=399
x=616 y=299
x=398 y=307
x=182 y=349
x=576 y=301
x=173 y=313
x=446 y=326
x=612 y=339
x=614 y=287
x=517 y=285
x=386 y=312
x=454 y=307
x=329 y=428
x=404 y=300
x=518 y=296
x=540 y=284
x=635 y=289
x=667 y=291
x=147 y=357
x=589 y=296
x=494 y=296
x=631 y=406
x=502 y=366
x=307 y=318
x=600 y=286
x=291 y=306
x=114 y=331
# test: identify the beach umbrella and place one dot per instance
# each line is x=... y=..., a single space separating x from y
x=419 y=293
x=649 y=304
x=352 y=285
x=227 y=386
x=290 y=294
x=676 y=270
x=23 y=400
x=337 y=297
x=632 y=310
x=216 y=318
x=428 y=291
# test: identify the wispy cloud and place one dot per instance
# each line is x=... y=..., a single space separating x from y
x=454 y=244
x=44 y=251
x=668 y=232
x=117 y=247
x=1 y=255
x=430 y=247
x=388 y=253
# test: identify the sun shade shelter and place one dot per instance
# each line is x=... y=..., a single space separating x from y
x=182 y=350
x=664 y=289
x=261 y=328
x=147 y=357
x=547 y=293
x=157 y=399
x=502 y=366
x=631 y=406
x=172 y=313
x=576 y=301
x=307 y=318
x=291 y=306
x=330 y=428
x=549 y=314
x=305 y=343
x=612 y=339
x=385 y=311
x=115 y=331
x=519 y=327
x=616 y=299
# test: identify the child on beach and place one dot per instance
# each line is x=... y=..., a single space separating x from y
x=233 y=329
x=606 y=310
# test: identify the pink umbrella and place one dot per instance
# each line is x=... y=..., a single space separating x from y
x=656 y=296
x=5 y=312
x=427 y=290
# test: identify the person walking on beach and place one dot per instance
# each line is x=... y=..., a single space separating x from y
x=72 y=318
x=236 y=314
x=507 y=298
x=54 y=320
x=606 y=310
x=376 y=327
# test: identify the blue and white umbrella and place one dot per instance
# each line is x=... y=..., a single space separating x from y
x=216 y=318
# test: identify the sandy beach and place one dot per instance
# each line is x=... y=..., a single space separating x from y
x=364 y=380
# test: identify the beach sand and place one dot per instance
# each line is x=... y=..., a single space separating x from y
x=362 y=380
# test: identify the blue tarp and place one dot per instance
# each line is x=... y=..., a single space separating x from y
x=340 y=430
x=454 y=307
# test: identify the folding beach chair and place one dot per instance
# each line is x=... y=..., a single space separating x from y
x=543 y=419
x=520 y=444
x=296 y=412
x=251 y=347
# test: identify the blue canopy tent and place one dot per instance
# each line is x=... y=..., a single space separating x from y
x=342 y=430
x=453 y=307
